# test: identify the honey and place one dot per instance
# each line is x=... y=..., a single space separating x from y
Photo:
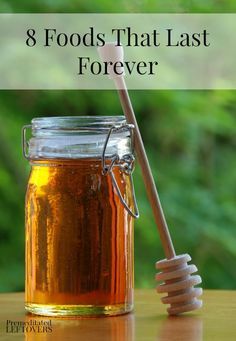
x=79 y=239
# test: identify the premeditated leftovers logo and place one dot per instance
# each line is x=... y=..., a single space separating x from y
x=30 y=326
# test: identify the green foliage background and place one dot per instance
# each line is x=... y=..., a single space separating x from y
x=190 y=140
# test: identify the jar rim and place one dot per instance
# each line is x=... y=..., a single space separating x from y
x=76 y=122
x=78 y=136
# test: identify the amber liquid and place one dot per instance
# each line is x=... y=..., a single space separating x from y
x=79 y=239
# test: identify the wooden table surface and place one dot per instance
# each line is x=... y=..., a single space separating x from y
x=215 y=321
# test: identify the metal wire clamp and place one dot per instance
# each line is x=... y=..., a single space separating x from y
x=25 y=143
x=125 y=164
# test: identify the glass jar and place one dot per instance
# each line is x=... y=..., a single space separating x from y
x=79 y=216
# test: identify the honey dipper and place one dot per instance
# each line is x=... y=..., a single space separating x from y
x=175 y=273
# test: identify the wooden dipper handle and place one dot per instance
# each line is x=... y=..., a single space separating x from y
x=146 y=171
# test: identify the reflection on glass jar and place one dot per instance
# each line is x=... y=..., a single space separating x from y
x=79 y=234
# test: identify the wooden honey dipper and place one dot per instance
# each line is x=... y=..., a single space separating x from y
x=175 y=272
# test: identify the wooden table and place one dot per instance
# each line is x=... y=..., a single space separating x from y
x=215 y=321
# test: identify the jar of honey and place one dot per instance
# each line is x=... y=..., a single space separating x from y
x=80 y=206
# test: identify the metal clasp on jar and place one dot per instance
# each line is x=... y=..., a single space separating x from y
x=125 y=164
x=25 y=143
